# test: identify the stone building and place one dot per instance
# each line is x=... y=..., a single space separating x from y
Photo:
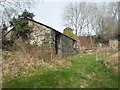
x=44 y=35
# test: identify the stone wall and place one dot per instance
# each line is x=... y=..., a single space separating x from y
x=59 y=43
x=40 y=35
x=65 y=46
x=68 y=46
x=56 y=42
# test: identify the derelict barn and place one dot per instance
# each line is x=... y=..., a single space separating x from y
x=44 y=35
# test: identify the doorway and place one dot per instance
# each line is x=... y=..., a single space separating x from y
x=57 y=42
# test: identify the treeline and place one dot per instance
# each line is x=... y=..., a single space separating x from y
x=87 y=19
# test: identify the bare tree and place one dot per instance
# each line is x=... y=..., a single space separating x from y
x=108 y=23
x=10 y=9
x=75 y=16
x=92 y=18
x=105 y=23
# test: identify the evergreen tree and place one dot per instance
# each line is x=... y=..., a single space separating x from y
x=20 y=25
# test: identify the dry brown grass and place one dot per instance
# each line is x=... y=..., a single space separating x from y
x=113 y=62
x=25 y=57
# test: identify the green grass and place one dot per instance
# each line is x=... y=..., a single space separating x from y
x=84 y=72
x=6 y=56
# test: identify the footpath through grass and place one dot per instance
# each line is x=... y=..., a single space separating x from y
x=84 y=72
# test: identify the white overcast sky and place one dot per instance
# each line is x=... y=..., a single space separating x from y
x=50 y=12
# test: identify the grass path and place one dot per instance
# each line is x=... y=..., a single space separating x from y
x=84 y=72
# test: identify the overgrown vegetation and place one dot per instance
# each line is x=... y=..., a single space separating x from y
x=20 y=25
x=101 y=39
x=69 y=32
x=84 y=72
x=20 y=29
x=22 y=56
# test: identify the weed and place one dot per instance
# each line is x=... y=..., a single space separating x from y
x=84 y=72
x=6 y=56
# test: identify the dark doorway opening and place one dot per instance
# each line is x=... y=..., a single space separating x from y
x=57 y=42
